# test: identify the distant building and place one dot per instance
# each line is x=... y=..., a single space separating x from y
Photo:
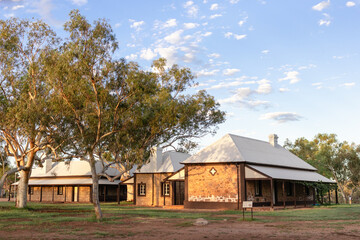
x=150 y=182
x=71 y=182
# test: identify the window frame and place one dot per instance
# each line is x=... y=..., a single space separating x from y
x=165 y=189
x=31 y=190
x=141 y=186
x=60 y=190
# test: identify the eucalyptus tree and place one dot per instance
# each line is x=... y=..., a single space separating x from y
x=25 y=110
x=337 y=160
x=117 y=112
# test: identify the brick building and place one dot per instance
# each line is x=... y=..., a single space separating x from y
x=151 y=184
x=236 y=169
x=71 y=182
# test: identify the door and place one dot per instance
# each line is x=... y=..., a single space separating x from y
x=179 y=192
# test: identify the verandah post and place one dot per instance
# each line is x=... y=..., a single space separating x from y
x=272 y=193
x=294 y=195
x=284 y=197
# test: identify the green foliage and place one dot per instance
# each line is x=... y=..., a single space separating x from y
x=334 y=159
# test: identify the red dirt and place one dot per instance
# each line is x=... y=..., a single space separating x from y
x=152 y=228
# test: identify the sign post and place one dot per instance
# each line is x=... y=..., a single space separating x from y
x=245 y=205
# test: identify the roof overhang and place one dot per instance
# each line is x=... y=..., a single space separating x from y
x=67 y=181
x=286 y=174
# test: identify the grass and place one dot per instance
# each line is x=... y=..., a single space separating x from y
x=50 y=215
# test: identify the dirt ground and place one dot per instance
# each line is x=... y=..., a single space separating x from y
x=231 y=227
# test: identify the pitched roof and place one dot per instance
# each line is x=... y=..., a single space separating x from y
x=170 y=162
x=72 y=168
x=233 y=148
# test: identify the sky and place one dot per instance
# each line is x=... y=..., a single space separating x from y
x=287 y=67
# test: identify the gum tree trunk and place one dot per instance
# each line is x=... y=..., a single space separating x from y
x=95 y=189
x=21 y=199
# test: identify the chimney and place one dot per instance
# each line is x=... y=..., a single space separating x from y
x=156 y=157
x=273 y=140
x=47 y=165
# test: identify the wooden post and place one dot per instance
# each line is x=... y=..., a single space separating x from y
x=336 y=196
x=272 y=193
x=9 y=193
x=134 y=189
x=305 y=196
x=104 y=193
x=29 y=193
x=242 y=182
x=284 y=197
x=329 y=197
x=53 y=187
x=238 y=186
x=153 y=190
x=65 y=193
x=40 y=193
x=78 y=193
x=294 y=195
x=118 y=194
x=163 y=190
x=91 y=194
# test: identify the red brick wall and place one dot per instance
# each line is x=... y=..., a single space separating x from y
x=149 y=199
x=205 y=187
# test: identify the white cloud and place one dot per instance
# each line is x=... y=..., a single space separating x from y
x=352 y=84
x=170 y=53
x=265 y=51
x=318 y=85
x=190 y=25
x=148 y=54
x=214 y=6
x=175 y=37
x=241 y=98
x=239 y=37
x=338 y=57
x=264 y=87
x=136 y=25
x=79 y=2
x=170 y=23
x=230 y=71
x=350 y=4
x=321 y=6
x=17 y=7
x=325 y=21
x=117 y=25
x=214 y=55
x=307 y=67
x=236 y=36
x=207 y=34
x=241 y=22
x=292 y=76
x=281 y=117
x=234 y=1
x=284 y=90
x=192 y=10
x=44 y=9
x=215 y=16
x=131 y=57
x=204 y=73
x=228 y=34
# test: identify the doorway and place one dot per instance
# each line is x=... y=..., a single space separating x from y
x=179 y=192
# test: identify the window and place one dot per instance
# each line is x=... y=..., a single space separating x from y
x=60 y=190
x=289 y=189
x=258 y=188
x=31 y=191
x=141 y=189
x=165 y=189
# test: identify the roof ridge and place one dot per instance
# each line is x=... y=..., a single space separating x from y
x=236 y=147
x=258 y=140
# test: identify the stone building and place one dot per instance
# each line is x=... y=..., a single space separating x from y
x=236 y=169
x=151 y=184
x=71 y=182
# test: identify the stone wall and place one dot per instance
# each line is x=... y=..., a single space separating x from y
x=130 y=192
x=153 y=189
x=212 y=183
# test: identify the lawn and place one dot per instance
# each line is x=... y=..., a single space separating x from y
x=69 y=221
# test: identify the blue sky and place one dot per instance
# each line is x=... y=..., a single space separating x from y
x=288 y=67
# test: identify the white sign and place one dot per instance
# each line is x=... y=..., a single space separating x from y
x=247 y=204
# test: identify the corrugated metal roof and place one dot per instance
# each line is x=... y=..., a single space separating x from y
x=68 y=181
x=72 y=168
x=292 y=174
x=233 y=148
x=171 y=162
